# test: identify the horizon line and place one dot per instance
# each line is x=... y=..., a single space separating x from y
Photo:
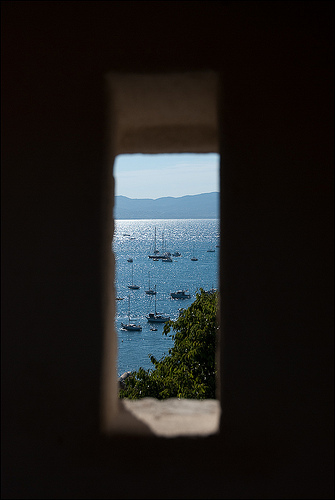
x=160 y=197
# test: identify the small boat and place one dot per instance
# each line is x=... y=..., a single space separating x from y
x=211 y=250
x=153 y=329
x=157 y=318
x=164 y=255
x=130 y=260
x=132 y=286
x=155 y=255
x=150 y=291
x=130 y=327
x=180 y=294
x=176 y=254
x=193 y=258
x=119 y=298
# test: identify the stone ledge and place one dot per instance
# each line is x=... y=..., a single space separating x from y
x=176 y=417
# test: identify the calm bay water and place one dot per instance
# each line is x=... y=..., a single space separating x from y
x=135 y=239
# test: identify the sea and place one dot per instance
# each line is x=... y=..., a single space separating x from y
x=135 y=239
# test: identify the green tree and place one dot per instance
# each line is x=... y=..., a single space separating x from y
x=189 y=370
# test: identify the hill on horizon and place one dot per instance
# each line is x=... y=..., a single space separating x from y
x=198 y=206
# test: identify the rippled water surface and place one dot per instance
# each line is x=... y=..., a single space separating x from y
x=135 y=239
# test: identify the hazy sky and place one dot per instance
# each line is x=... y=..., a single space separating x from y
x=156 y=176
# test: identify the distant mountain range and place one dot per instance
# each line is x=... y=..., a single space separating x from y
x=198 y=206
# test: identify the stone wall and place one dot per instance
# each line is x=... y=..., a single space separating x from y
x=276 y=143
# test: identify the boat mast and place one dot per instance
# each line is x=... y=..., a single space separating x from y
x=128 y=309
x=155 y=246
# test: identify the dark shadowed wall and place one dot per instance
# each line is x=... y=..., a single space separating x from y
x=276 y=64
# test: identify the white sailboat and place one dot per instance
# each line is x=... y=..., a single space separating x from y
x=157 y=318
x=130 y=327
x=155 y=255
x=150 y=291
x=164 y=255
x=132 y=286
x=193 y=258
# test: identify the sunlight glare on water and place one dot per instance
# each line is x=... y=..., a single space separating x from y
x=135 y=239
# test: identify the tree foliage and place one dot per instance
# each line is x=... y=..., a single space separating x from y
x=189 y=370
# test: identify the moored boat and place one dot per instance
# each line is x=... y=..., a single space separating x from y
x=155 y=255
x=130 y=327
x=194 y=258
x=132 y=286
x=157 y=318
x=150 y=291
x=180 y=294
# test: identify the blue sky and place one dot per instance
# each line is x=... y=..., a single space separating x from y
x=156 y=176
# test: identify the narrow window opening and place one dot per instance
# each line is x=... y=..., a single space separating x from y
x=166 y=211
x=166 y=239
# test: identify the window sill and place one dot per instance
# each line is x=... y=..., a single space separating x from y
x=168 y=418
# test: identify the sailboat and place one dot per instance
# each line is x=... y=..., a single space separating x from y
x=132 y=286
x=155 y=255
x=150 y=291
x=157 y=318
x=130 y=327
x=193 y=258
x=166 y=255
